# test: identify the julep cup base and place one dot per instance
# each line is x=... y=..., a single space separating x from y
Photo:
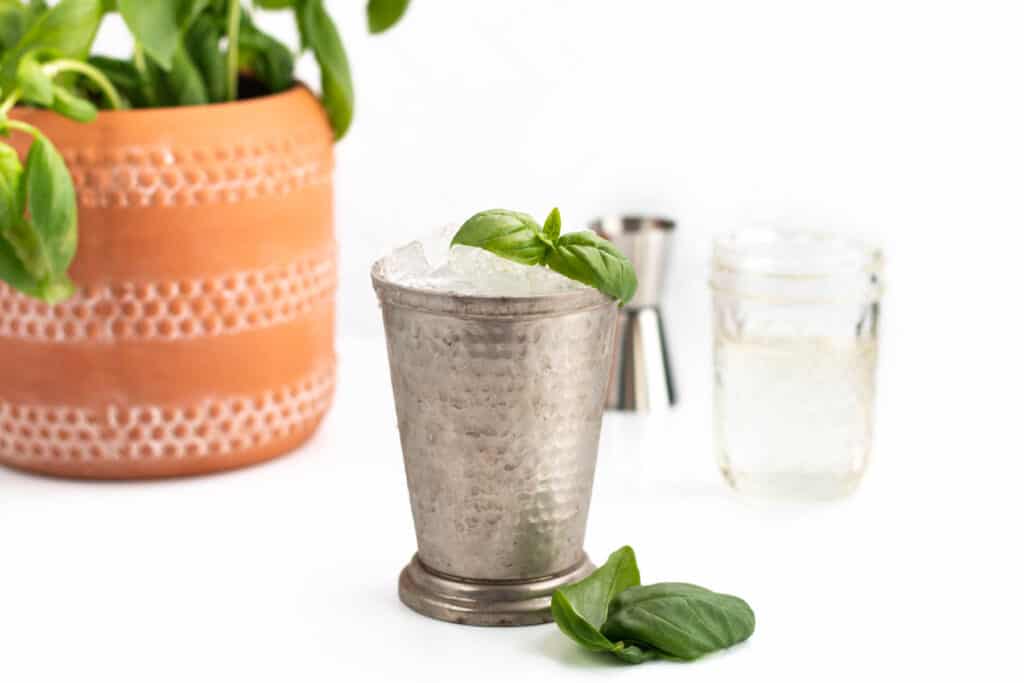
x=483 y=603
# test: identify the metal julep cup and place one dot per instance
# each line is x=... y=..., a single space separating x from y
x=642 y=379
x=499 y=403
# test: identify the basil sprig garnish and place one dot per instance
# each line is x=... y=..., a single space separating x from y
x=609 y=611
x=580 y=256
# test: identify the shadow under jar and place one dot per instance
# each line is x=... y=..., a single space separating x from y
x=795 y=347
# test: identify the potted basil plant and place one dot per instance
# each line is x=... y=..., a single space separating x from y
x=167 y=257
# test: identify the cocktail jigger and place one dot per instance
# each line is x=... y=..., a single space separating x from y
x=641 y=372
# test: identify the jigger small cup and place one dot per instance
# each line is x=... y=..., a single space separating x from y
x=499 y=403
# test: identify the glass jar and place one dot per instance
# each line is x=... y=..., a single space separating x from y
x=796 y=341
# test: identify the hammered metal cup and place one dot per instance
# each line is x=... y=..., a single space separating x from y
x=499 y=404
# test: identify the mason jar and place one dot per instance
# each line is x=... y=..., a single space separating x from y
x=796 y=316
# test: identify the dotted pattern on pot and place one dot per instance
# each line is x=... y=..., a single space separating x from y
x=210 y=428
x=173 y=310
x=148 y=175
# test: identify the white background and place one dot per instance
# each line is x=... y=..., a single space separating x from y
x=900 y=120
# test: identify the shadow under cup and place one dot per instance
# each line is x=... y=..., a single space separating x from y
x=796 y=318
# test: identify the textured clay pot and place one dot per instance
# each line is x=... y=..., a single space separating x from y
x=201 y=335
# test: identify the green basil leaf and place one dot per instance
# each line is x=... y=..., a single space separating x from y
x=36 y=86
x=72 y=106
x=679 y=619
x=10 y=164
x=189 y=11
x=14 y=18
x=184 y=80
x=67 y=29
x=51 y=203
x=586 y=258
x=14 y=273
x=275 y=4
x=28 y=245
x=319 y=32
x=11 y=208
x=154 y=24
x=123 y=75
x=636 y=654
x=203 y=43
x=270 y=60
x=383 y=14
x=25 y=262
x=580 y=609
x=552 y=226
x=509 y=234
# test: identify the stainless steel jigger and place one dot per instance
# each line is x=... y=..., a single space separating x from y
x=641 y=371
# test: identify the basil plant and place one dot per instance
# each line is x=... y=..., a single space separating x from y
x=186 y=52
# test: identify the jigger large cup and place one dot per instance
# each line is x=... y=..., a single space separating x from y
x=499 y=404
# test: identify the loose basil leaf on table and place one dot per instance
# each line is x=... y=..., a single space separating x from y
x=383 y=14
x=679 y=619
x=318 y=32
x=580 y=609
x=586 y=258
x=508 y=234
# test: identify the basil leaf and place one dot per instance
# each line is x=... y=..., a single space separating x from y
x=124 y=76
x=275 y=4
x=66 y=29
x=14 y=273
x=11 y=208
x=509 y=234
x=319 y=32
x=189 y=11
x=36 y=86
x=383 y=14
x=591 y=597
x=51 y=204
x=13 y=20
x=580 y=609
x=203 y=43
x=26 y=259
x=270 y=60
x=28 y=246
x=552 y=226
x=635 y=654
x=184 y=81
x=72 y=106
x=154 y=24
x=586 y=258
x=679 y=619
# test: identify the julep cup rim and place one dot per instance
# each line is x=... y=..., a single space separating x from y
x=479 y=306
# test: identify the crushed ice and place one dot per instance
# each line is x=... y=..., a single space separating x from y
x=429 y=264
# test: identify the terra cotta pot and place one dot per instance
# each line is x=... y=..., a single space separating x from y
x=201 y=334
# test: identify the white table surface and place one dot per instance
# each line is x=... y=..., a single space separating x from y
x=287 y=571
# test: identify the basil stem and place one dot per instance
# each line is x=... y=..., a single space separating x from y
x=234 y=25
